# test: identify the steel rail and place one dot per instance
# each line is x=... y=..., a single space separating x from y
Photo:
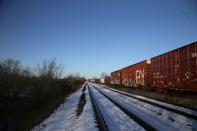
x=99 y=117
x=186 y=114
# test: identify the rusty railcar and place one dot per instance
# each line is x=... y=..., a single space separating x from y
x=176 y=69
x=137 y=74
x=124 y=75
x=107 y=80
x=116 y=77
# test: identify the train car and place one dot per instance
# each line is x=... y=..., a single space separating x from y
x=137 y=74
x=124 y=75
x=107 y=80
x=116 y=77
x=176 y=69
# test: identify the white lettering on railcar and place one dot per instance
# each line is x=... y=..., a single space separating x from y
x=194 y=54
x=139 y=77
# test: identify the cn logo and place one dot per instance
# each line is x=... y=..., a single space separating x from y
x=139 y=77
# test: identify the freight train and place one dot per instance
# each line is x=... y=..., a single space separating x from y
x=176 y=69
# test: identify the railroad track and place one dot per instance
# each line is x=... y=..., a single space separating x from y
x=146 y=120
x=104 y=118
x=101 y=123
x=180 y=110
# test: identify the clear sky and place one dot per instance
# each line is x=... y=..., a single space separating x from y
x=94 y=36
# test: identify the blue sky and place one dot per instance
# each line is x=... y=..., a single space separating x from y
x=94 y=36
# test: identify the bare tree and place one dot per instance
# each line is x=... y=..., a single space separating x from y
x=11 y=65
x=49 y=69
x=103 y=75
x=27 y=72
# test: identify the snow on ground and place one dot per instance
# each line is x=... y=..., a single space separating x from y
x=115 y=118
x=77 y=114
x=178 y=121
x=65 y=119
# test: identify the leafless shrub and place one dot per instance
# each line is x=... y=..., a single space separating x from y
x=49 y=69
x=27 y=72
x=11 y=65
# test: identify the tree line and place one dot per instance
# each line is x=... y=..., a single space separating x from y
x=44 y=81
